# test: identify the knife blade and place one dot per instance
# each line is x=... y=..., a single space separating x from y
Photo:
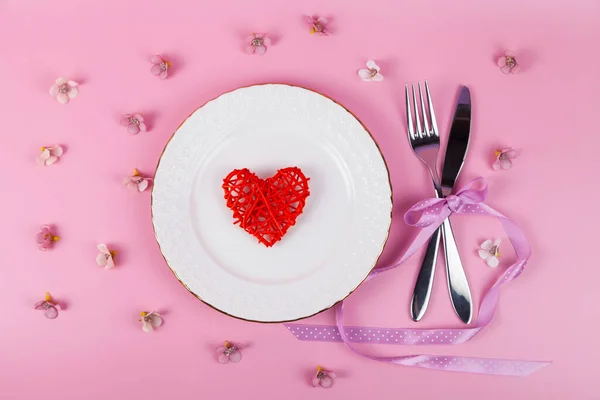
x=458 y=141
x=456 y=150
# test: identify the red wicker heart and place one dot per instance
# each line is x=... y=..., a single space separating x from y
x=266 y=208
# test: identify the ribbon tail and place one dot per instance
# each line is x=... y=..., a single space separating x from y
x=473 y=365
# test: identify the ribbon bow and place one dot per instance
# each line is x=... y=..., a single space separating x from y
x=428 y=215
x=434 y=211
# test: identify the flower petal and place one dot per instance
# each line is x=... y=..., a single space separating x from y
x=364 y=74
x=146 y=326
x=377 y=78
x=516 y=68
x=103 y=249
x=61 y=81
x=125 y=119
x=492 y=261
x=261 y=50
x=57 y=150
x=62 y=98
x=142 y=127
x=156 y=69
x=73 y=92
x=505 y=164
x=506 y=69
x=250 y=49
x=510 y=153
x=51 y=160
x=156 y=59
x=156 y=320
x=236 y=356
x=133 y=129
x=40 y=305
x=326 y=382
x=501 y=62
x=143 y=185
x=51 y=312
x=110 y=262
x=54 y=90
x=101 y=259
x=497 y=242
x=223 y=358
x=496 y=165
x=371 y=64
x=484 y=254
x=315 y=381
x=487 y=245
x=266 y=41
x=164 y=74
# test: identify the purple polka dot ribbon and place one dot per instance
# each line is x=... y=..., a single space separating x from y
x=428 y=215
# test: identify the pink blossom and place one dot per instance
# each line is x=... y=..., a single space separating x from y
x=105 y=258
x=49 y=155
x=134 y=123
x=160 y=66
x=45 y=238
x=490 y=252
x=508 y=63
x=504 y=159
x=150 y=320
x=137 y=182
x=317 y=25
x=323 y=378
x=229 y=353
x=257 y=43
x=64 y=90
x=371 y=73
x=49 y=306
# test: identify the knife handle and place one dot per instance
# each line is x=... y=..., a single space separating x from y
x=458 y=286
x=424 y=283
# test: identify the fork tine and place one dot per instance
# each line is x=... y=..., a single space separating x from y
x=431 y=112
x=409 y=121
x=424 y=112
x=419 y=129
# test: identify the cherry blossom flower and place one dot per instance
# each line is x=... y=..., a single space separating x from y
x=45 y=238
x=137 y=182
x=508 y=63
x=318 y=25
x=49 y=306
x=49 y=155
x=134 y=123
x=371 y=73
x=229 y=353
x=323 y=378
x=150 y=320
x=64 y=90
x=160 y=66
x=105 y=258
x=490 y=252
x=257 y=43
x=504 y=159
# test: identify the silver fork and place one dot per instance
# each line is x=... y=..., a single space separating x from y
x=425 y=142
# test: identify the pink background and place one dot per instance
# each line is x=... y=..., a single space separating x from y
x=96 y=349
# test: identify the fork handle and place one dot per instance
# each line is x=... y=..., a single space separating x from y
x=424 y=283
x=458 y=286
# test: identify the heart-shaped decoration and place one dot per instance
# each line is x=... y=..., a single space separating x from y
x=266 y=208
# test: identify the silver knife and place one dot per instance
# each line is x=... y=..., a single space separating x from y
x=456 y=150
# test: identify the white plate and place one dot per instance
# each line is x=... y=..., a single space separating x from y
x=335 y=242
